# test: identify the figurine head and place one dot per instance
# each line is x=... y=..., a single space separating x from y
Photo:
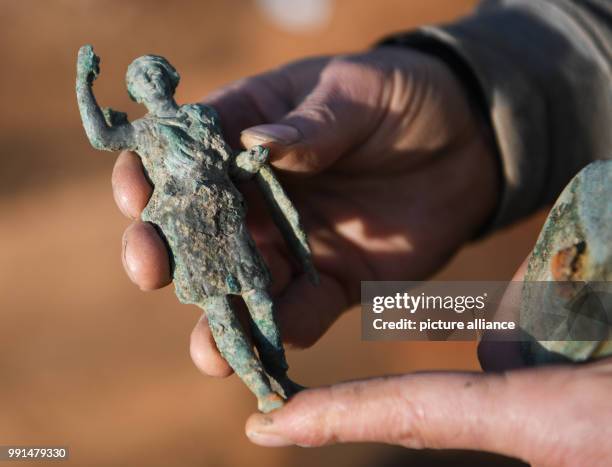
x=151 y=79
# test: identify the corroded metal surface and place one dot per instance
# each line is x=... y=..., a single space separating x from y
x=573 y=254
x=200 y=214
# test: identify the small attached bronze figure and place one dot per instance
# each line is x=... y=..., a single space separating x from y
x=201 y=214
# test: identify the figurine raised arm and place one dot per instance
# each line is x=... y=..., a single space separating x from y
x=201 y=214
x=106 y=129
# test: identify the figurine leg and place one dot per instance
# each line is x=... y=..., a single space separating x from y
x=238 y=351
x=266 y=335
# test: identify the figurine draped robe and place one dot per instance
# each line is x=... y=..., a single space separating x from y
x=197 y=207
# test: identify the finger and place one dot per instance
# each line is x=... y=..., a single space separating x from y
x=204 y=352
x=450 y=411
x=502 y=355
x=280 y=267
x=203 y=349
x=334 y=117
x=130 y=187
x=145 y=257
x=263 y=98
x=305 y=312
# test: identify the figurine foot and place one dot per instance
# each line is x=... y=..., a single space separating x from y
x=270 y=402
x=284 y=386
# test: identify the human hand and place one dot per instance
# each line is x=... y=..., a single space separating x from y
x=386 y=160
x=88 y=65
x=548 y=416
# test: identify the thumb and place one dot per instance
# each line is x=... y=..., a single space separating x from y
x=438 y=410
x=339 y=113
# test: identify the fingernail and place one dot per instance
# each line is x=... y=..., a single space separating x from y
x=261 y=431
x=274 y=132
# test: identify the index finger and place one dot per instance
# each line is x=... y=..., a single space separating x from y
x=263 y=98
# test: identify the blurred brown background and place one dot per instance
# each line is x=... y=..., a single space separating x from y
x=87 y=360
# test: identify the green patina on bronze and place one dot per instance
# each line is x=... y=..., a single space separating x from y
x=574 y=250
x=199 y=212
